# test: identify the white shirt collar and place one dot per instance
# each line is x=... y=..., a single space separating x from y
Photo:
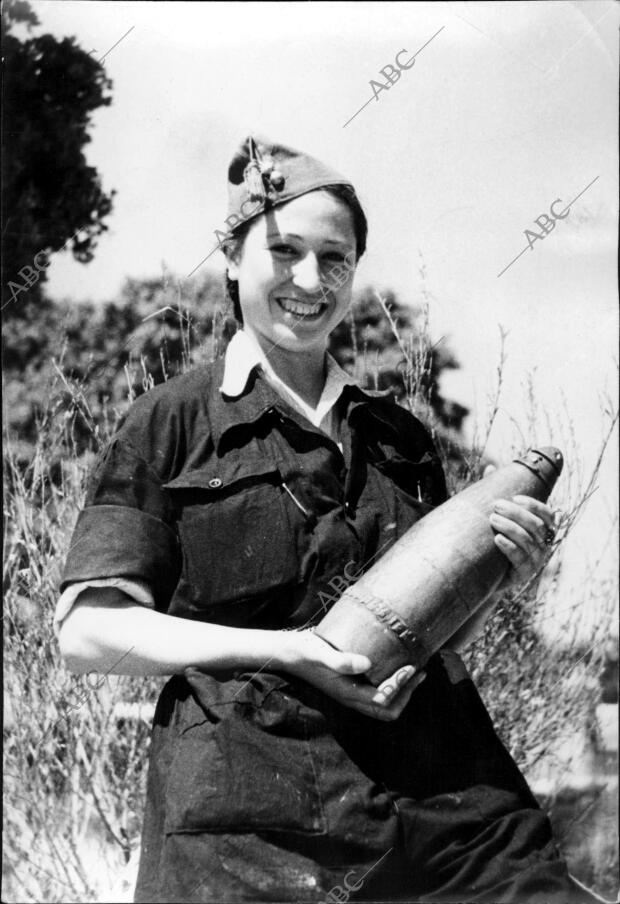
x=244 y=353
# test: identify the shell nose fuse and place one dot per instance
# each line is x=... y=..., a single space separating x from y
x=409 y=603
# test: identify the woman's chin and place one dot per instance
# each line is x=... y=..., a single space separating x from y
x=291 y=335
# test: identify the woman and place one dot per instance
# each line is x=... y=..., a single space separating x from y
x=225 y=511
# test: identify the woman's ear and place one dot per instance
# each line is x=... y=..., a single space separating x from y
x=232 y=253
x=232 y=269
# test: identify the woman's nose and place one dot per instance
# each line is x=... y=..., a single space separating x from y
x=307 y=274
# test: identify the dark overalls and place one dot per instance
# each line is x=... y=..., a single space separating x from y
x=261 y=788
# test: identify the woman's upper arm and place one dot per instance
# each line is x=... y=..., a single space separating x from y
x=127 y=527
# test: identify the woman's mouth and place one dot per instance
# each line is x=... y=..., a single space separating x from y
x=302 y=309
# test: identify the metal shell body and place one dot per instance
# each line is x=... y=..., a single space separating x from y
x=407 y=605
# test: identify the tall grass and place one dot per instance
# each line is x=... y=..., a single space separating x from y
x=75 y=767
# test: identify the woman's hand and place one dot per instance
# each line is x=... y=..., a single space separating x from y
x=342 y=676
x=525 y=530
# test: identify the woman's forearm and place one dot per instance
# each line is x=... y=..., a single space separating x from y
x=107 y=632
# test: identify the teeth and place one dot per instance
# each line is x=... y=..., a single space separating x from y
x=297 y=307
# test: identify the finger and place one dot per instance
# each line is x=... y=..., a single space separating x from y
x=371 y=710
x=368 y=700
x=520 y=536
x=361 y=699
x=516 y=556
x=404 y=694
x=376 y=712
x=385 y=703
x=540 y=509
x=394 y=709
x=523 y=516
x=524 y=564
x=379 y=711
x=347 y=663
x=387 y=690
x=393 y=694
x=534 y=516
x=344 y=663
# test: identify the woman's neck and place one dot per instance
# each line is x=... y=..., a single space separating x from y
x=303 y=371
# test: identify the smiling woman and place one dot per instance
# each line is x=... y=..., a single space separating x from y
x=234 y=242
x=216 y=523
x=280 y=270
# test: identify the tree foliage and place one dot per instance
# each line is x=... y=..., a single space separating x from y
x=52 y=197
x=110 y=353
x=156 y=328
x=385 y=343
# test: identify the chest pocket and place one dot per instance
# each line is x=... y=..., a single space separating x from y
x=416 y=480
x=235 y=529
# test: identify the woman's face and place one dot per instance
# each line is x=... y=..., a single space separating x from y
x=288 y=289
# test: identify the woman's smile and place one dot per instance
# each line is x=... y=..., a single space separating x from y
x=301 y=310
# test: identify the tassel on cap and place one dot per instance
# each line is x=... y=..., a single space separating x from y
x=254 y=181
x=252 y=174
x=265 y=174
x=260 y=170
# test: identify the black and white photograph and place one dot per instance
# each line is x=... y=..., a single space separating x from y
x=310 y=452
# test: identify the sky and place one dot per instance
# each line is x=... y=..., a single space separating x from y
x=508 y=110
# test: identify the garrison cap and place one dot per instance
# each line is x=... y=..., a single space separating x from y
x=263 y=175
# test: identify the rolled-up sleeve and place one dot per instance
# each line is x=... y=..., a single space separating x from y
x=127 y=527
x=137 y=591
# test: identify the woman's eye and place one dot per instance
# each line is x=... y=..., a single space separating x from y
x=334 y=257
x=287 y=250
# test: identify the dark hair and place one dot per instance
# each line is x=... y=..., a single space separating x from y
x=344 y=193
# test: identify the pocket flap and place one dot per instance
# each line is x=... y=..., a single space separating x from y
x=220 y=475
x=411 y=476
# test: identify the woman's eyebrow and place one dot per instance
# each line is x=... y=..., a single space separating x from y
x=293 y=235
